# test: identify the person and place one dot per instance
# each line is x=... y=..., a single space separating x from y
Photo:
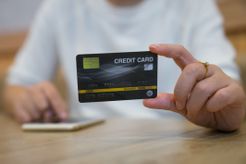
x=207 y=94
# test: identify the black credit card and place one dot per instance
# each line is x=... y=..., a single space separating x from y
x=117 y=76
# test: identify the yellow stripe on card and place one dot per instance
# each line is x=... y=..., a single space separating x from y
x=138 y=88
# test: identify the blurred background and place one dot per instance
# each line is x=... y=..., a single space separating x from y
x=16 y=18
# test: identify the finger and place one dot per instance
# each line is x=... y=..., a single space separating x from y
x=56 y=102
x=20 y=114
x=202 y=91
x=38 y=97
x=48 y=116
x=29 y=106
x=163 y=101
x=225 y=97
x=177 y=52
x=187 y=80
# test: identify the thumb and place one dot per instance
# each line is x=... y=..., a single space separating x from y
x=163 y=101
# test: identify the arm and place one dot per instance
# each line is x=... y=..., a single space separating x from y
x=29 y=96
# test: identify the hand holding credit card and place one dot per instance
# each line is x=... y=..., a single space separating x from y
x=117 y=76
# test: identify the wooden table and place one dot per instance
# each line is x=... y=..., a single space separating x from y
x=168 y=140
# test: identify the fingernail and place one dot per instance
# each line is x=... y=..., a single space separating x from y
x=63 y=115
x=154 y=46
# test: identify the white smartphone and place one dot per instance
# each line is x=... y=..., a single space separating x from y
x=71 y=125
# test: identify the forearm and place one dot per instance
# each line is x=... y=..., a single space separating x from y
x=8 y=93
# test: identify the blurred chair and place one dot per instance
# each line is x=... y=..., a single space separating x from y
x=234 y=12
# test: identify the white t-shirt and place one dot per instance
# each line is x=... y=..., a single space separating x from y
x=65 y=28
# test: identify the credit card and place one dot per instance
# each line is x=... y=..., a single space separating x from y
x=116 y=76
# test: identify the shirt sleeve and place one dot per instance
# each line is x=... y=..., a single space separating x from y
x=37 y=59
x=208 y=41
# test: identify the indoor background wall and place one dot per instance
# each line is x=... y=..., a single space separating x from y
x=16 y=15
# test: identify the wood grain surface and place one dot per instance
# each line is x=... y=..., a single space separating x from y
x=168 y=140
